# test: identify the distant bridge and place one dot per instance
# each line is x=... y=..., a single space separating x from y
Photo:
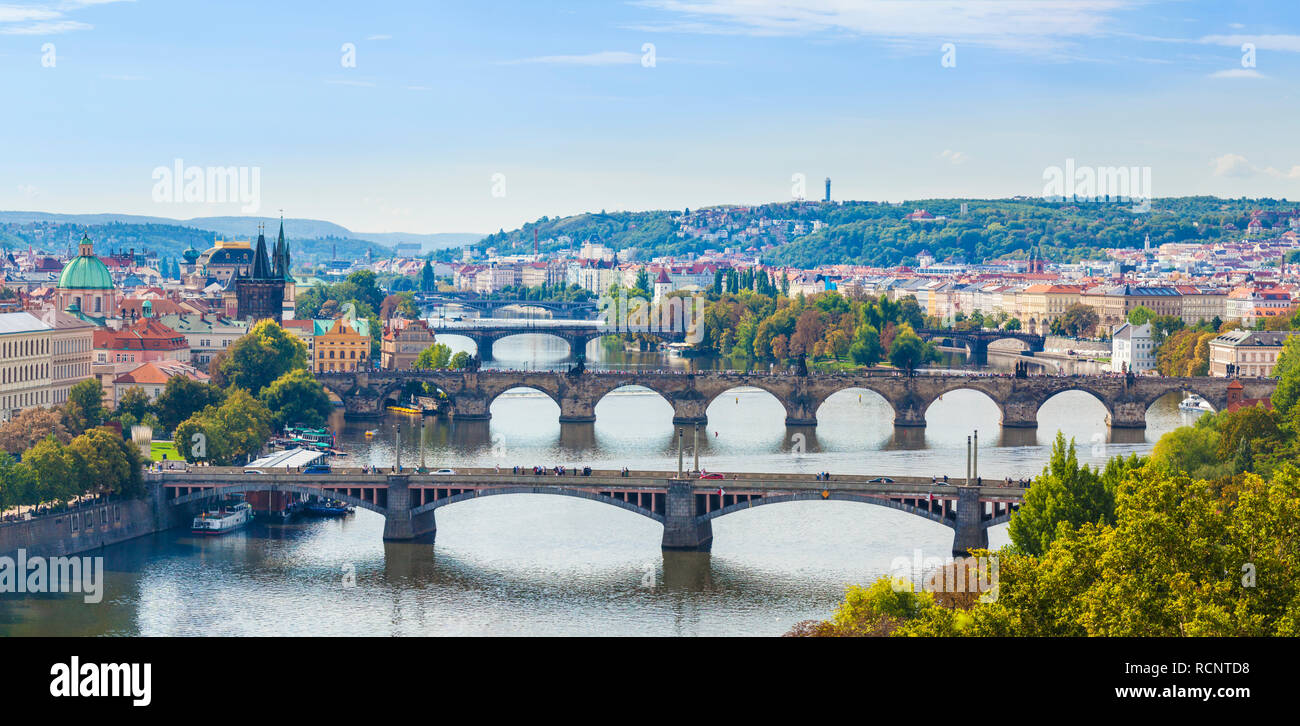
x=490 y=307
x=685 y=507
x=576 y=334
x=469 y=395
x=976 y=342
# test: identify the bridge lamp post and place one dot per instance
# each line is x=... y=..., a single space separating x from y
x=679 y=453
x=397 y=446
x=696 y=448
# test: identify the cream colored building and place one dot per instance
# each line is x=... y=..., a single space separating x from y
x=24 y=363
x=72 y=351
x=1246 y=353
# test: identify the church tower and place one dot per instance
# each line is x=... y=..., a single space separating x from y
x=260 y=295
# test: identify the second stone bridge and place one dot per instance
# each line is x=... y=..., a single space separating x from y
x=469 y=395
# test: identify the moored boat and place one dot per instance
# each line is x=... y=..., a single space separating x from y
x=227 y=518
x=1194 y=402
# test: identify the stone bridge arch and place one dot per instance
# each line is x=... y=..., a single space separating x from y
x=221 y=491
x=598 y=393
x=588 y=495
x=1071 y=385
x=937 y=515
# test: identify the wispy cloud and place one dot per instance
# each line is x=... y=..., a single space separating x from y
x=1023 y=25
x=956 y=157
x=48 y=18
x=1287 y=43
x=1238 y=73
x=603 y=58
x=1237 y=166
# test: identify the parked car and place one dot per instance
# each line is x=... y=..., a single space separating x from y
x=712 y=475
x=445 y=472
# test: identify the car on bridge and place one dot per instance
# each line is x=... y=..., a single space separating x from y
x=712 y=475
x=445 y=472
x=317 y=469
x=881 y=480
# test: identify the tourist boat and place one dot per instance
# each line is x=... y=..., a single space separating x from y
x=229 y=517
x=405 y=409
x=1194 y=402
x=371 y=433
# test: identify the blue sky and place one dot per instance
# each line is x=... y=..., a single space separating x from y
x=557 y=98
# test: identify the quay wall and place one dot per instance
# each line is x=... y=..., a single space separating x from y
x=92 y=527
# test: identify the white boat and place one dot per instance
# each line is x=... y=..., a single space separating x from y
x=227 y=518
x=1194 y=402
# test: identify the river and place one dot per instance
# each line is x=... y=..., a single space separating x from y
x=545 y=565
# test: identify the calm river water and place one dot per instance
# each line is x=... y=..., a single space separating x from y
x=542 y=565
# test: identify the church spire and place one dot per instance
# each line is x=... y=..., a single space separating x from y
x=261 y=266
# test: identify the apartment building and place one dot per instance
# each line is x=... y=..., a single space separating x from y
x=24 y=363
x=1248 y=353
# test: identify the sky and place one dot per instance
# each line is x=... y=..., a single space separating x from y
x=419 y=116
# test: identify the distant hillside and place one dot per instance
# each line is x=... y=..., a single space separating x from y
x=244 y=227
x=873 y=233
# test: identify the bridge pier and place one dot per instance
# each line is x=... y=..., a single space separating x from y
x=1128 y=415
x=970 y=532
x=909 y=412
x=577 y=410
x=1019 y=414
x=399 y=525
x=683 y=528
x=690 y=411
x=470 y=407
x=484 y=346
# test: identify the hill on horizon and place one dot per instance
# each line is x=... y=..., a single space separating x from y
x=243 y=227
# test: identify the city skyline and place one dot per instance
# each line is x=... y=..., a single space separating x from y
x=433 y=130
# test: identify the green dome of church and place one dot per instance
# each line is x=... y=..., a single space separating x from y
x=190 y=254
x=85 y=272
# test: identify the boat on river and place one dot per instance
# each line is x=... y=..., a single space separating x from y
x=230 y=516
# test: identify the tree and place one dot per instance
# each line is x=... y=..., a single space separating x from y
x=1287 y=371
x=183 y=397
x=297 y=399
x=1141 y=315
x=56 y=479
x=866 y=349
x=30 y=426
x=88 y=395
x=909 y=352
x=428 y=280
x=226 y=434
x=134 y=403
x=17 y=483
x=1012 y=325
x=1065 y=494
x=435 y=357
x=264 y=354
x=460 y=361
x=1077 y=320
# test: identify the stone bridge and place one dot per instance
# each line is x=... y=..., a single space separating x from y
x=576 y=334
x=976 y=342
x=469 y=395
x=685 y=507
x=489 y=307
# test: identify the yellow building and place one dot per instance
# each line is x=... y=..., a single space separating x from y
x=342 y=344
